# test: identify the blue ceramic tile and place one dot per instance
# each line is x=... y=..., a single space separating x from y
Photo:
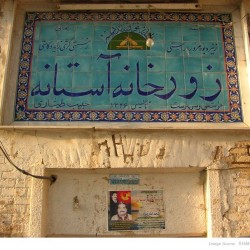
x=80 y=103
x=64 y=47
x=226 y=106
x=156 y=64
x=120 y=79
x=138 y=101
x=134 y=99
x=208 y=34
x=220 y=49
x=176 y=102
x=44 y=63
x=84 y=31
x=48 y=48
x=38 y=102
x=45 y=78
x=158 y=31
x=220 y=102
x=31 y=104
x=34 y=81
x=102 y=33
x=48 y=32
x=82 y=47
x=134 y=53
x=65 y=31
x=211 y=64
x=99 y=79
x=194 y=49
x=219 y=33
x=196 y=103
x=64 y=81
x=209 y=49
x=141 y=28
x=214 y=103
x=37 y=32
x=211 y=81
x=100 y=64
x=174 y=49
x=34 y=63
x=64 y=63
x=158 y=79
x=156 y=103
x=35 y=49
x=192 y=64
x=174 y=81
x=82 y=81
x=120 y=103
x=103 y=101
x=100 y=48
x=136 y=63
x=223 y=79
x=82 y=66
x=172 y=32
x=58 y=102
x=158 y=49
x=174 y=64
x=120 y=64
x=190 y=32
x=191 y=79
x=140 y=80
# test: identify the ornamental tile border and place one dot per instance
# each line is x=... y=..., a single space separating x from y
x=232 y=115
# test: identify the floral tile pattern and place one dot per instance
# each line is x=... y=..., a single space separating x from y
x=96 y=67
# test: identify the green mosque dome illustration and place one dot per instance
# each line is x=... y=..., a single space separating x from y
x=128 y=41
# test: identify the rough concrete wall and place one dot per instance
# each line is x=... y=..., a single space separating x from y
x=37 y=151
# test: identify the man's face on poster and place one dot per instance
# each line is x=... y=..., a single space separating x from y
x=114 y=197
x=122 y=210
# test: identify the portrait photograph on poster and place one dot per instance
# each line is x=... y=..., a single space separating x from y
x=135 y=210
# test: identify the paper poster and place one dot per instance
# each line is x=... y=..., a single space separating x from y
x=136 y=210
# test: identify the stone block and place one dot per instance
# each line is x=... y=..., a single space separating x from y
x=245 y=175
x=7 y=183
x=20 y=183
x=239 y=151
x=242 y=158
x=21 y=192
x=243 y=191
x=8 y=192
x=243 y=208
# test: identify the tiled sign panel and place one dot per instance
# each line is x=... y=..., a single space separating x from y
x=97 y=67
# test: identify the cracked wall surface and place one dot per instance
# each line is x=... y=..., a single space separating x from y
x=236 y=191
x=38 y=152
x=224 y=157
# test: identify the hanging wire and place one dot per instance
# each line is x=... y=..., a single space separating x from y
x=52 y=178
x=149 y=41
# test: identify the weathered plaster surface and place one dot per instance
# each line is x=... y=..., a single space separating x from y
x=224 y=155
x=182 y=194
x=7 y=10
x=118 y=149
